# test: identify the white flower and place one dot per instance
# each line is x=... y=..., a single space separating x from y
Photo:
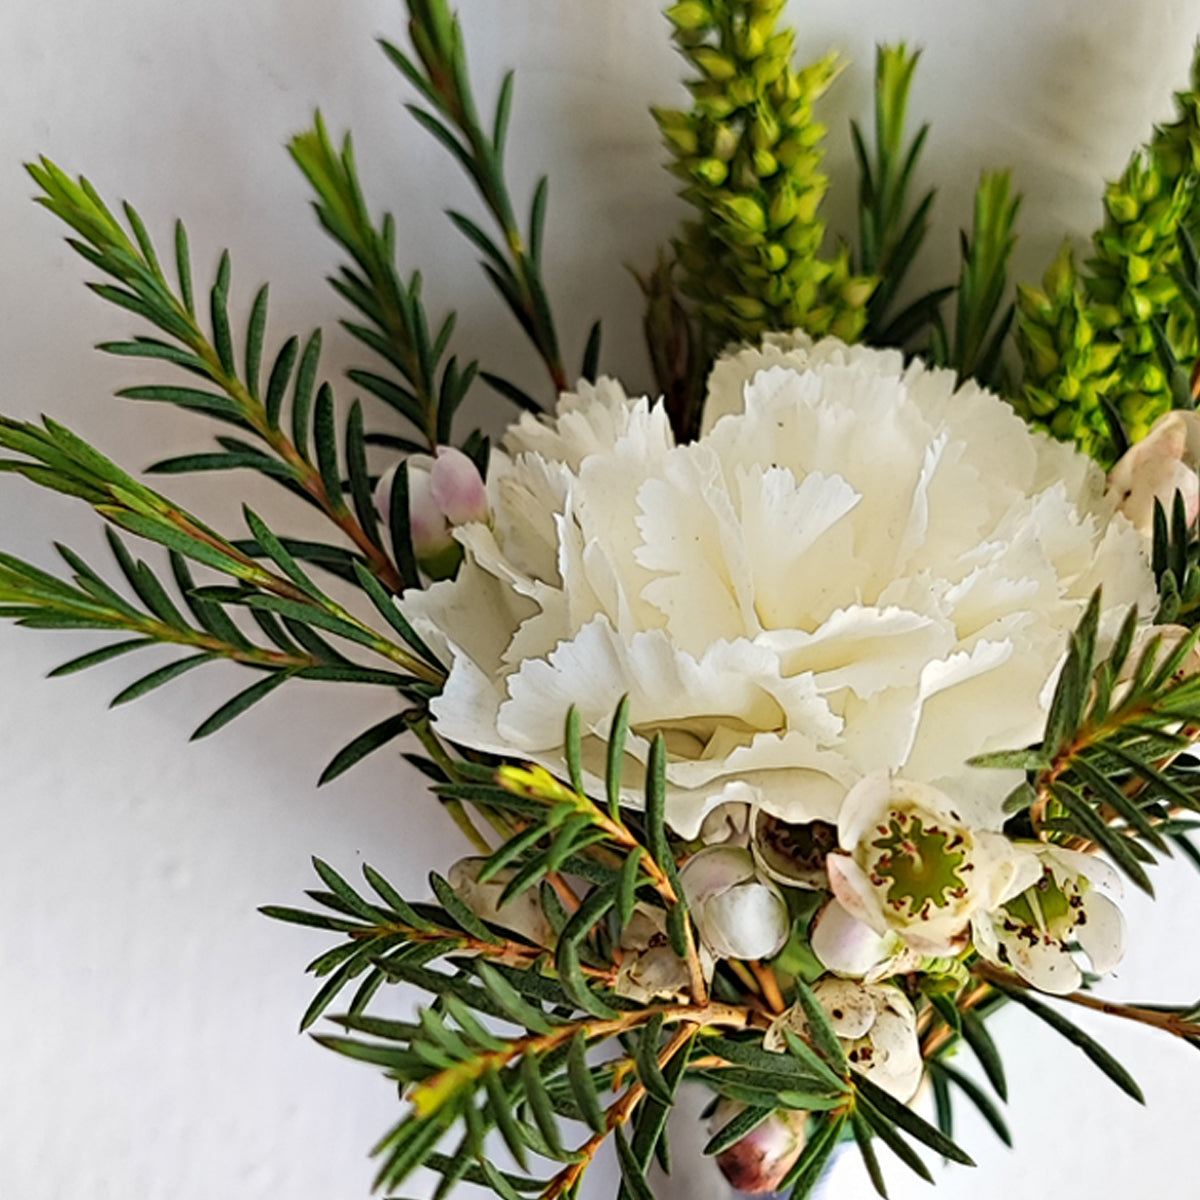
x=846 y=946
x=793 y=854
x=876 y=1025
x=1164 y=462
x=650 y=969
x=855 y=568
x=523 y=913
x=737 y=914
x=443 y=491
x=1032 y=934
x=912 y=868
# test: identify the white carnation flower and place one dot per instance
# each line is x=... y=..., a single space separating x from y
x=855 y=568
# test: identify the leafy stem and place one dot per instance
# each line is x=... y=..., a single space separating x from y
x=145 y=290
x=1179 y=1022
x=439 y=73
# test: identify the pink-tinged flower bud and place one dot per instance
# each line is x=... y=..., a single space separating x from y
x=760 y=1161
x=442 y=492
x=1162 y=463
x=457 y=487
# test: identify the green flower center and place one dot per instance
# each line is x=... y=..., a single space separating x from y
x=1049 y=910
x=922 y=866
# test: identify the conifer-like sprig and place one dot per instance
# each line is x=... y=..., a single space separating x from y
x=423 y=386
x=581 y=1050
x=974 y=344
x=283 y=600
x=1108 y=774
x=304 y=458
x=437 y=68
x=891 y=230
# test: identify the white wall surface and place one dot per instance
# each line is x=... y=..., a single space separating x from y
x=147 y=1013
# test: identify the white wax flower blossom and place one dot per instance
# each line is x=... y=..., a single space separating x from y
x=650 y=970
x=1032 y=934
x=522 y=914
x=793 y=854
x=911 y=867
x=737 y=913
x=875 y=1023
x=443 y=491
x=856 y=567
x=1164 y=462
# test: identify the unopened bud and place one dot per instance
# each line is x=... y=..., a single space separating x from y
x=760 y=1161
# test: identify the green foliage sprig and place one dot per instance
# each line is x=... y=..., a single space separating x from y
x=438 y=70
x=423 y=386
x=1088 y=335
x=890 y=230
x=983 y=315
x=304 y=458
x=1108 y=774
x=576 y=1038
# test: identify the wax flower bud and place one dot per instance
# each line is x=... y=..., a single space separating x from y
x=443 y=491
x=1162 y=463
x=737 y=913
x=760 y=1161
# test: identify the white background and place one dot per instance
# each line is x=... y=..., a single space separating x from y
x=147 y=1013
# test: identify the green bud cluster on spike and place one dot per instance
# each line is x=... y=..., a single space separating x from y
x=1087 y=335
x=749 y=156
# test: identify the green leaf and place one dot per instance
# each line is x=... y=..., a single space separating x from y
x=277 y=382
x=863 y=1136
x=1076 y=1036
x=157 y=678
x=976 y=1035
x=591 y=354
x=540 y=1104
x=365 y=743
x=824 y=1038
x=810 y=1167
x=510 y=1002
x=617 y=735
x=978 y=1097
x=500 y=1108
x=459 y=913
x=303 y=391
x=628 y=880
x=573 y=749
x=583 y=1089
x=356 y=466
x=254 y=340
x=903 y=1116
x=241 y=702
x=633 y=1174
